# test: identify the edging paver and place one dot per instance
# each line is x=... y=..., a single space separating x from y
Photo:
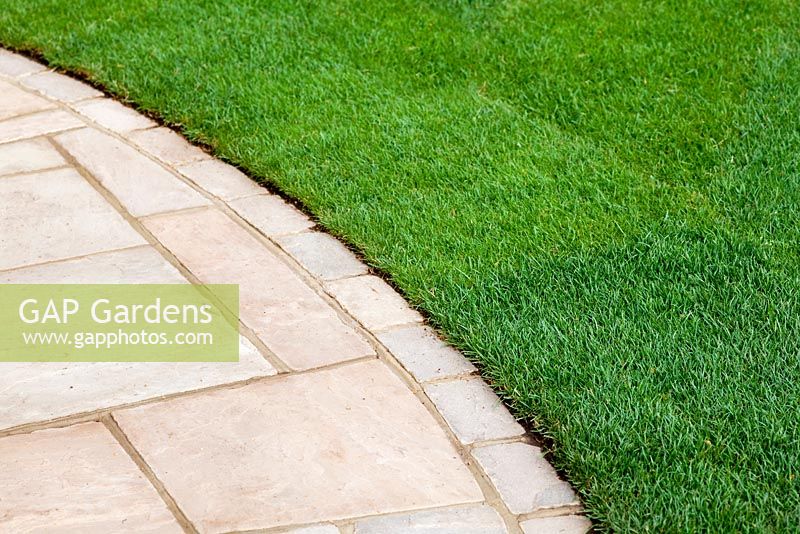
x=165 y=182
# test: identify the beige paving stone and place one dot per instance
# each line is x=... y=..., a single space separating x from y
x=59 y=86
x=16 y=101
x=524 y=478
x=37 y=124
x=140 y=184
x=271 y=215
x=167 y=146
x=322 y=255
x=321 y=446
x=112 y=115
x=314 y=529
x=34 y=392
x=220 y=179
x=423 y=354
x=29 y=155
x=55 y=215
x=479 y=519
x=15 y=65
x=291 y=319
x=472 y=410
x=567 y=524
x=41 y=391
x=373 y=302
x=76 y=479
x=139 y=265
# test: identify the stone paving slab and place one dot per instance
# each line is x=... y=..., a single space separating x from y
x=76 y=479
x=423 y=354
x=16 y=101
x=141 y=185
x=330 y=444
x=55 y=215
x=373 y=302
x=14 y=65
x=271 y=215
x=480 y=519
x=568 y=524
x=112 y=115
x=59 y=87
x=167 y=146
x=37 y=124
x=322 y=255
x=29 y=155
x=292 y=320
x=220 y=179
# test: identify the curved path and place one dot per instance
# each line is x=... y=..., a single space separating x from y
x=344 y=414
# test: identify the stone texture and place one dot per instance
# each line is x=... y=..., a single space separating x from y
x=140 y=184
x=423 y=354
x=167 y=146
x=15 y=65
x=220 y=179
x=41 y=391
x=76 y=479
x=480 y=519
x=373 y=302
x=112 y=115
x=17 y=101
x=139 y=265
x=34 y=392
x=315 y=529
x=565 y=524
x=59 y=87
x=524 y=478
x=271 y=215
x=291 y=319
x=37 y=124
x=29 y=155
x=319 y=446
x=322 y=255
x=55 y=215
x=472 y=410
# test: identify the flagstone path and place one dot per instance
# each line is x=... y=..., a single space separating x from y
x=345 y=414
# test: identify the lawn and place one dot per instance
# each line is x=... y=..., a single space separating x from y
x=598 y=201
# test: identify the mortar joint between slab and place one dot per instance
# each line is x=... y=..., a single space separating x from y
x=112 y=426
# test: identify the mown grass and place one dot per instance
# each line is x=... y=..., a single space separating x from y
x=597 y=201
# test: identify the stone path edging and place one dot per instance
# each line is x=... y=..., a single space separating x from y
x=357 y=318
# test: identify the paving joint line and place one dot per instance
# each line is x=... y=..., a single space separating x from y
x=111 y=424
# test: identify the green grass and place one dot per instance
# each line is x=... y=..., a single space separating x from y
x=597 y=201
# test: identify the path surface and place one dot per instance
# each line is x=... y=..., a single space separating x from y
x=344 y=413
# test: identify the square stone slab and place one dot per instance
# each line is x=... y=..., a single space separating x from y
x=271 y=215
x=55 y=215
x=220 y=179
x=167 y=146
x=293 y=321
x=30 y=155
x=472 y=410
x=76 y=479
x=141 y=185
x=524 y=478
x=322 y=255
x=17 y=101
x=321 y=446
x=423 y=354
x=37 y=124
x=373 y=302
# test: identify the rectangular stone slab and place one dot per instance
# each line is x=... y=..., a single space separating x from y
x=320 y=446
